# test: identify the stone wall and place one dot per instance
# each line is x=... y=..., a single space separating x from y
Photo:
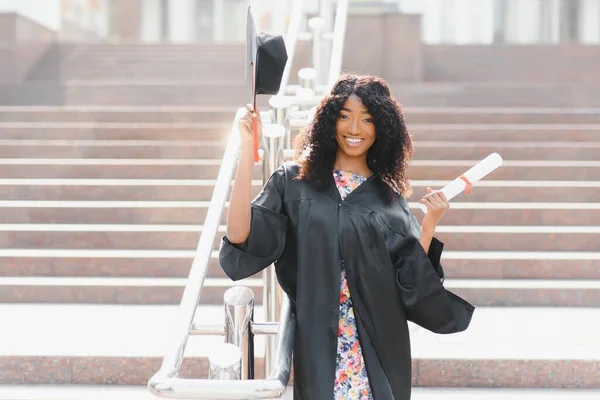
x=22 y=43
x=389 y=45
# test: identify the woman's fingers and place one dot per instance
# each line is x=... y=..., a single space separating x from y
x=249 y=115
x=246 y=124
x=427 y=203
x=435 y=200
x=430 y=198
x=442 y=198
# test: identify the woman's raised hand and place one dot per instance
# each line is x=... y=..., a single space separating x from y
x=245 y=127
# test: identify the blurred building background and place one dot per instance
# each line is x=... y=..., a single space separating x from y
x=444 y=21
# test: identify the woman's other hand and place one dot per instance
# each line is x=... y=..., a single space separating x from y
x=437 y=205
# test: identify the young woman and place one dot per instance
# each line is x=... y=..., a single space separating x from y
x=347 y=249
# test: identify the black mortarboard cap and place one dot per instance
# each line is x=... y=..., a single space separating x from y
x=266 y=57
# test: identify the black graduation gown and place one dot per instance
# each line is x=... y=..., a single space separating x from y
x=309 y=235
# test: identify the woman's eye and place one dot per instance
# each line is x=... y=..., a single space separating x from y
x=368 y=120
x=342 y=116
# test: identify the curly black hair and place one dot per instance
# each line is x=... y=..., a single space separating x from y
x=388 y=156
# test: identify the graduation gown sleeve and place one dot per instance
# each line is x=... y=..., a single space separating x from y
x=267 y=233
x=419 y=278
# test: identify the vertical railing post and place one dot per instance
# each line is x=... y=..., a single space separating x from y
x=326 y=13
x=239 y=310
x=306 y=77
x=316 y=25
x=280 y=106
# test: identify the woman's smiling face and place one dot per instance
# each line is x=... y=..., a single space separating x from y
x=355 y=129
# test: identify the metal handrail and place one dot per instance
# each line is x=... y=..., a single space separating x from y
x=270 y=388
x=193 y=289
x=165 y=382
x=337 y=49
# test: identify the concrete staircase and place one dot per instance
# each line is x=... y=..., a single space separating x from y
x=102 y=200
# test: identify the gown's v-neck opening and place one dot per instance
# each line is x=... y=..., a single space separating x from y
x=359 y=187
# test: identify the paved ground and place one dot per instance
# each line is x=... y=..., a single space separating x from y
x=518 y=333
x=140 y=393
x=129 y=330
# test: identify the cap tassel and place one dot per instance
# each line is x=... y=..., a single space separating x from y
x=254 y=115
x=255 y=135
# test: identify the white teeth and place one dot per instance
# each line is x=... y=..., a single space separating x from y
x=354 y=140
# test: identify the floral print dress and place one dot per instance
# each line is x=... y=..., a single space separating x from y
x=351 y=380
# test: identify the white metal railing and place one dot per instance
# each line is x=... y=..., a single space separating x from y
x=339 y=35
x=291 y=38
x=231 y=369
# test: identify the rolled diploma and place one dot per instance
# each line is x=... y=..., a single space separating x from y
x=478 y=171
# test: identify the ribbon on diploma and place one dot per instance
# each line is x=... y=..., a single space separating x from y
x=466 y=180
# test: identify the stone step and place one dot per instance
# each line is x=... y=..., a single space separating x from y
x=201 y=190
x=520 y=238
x=221 y=69
x=214 y=149
x=519 y=265
x=414 y=115
x=177 y=263
x=542 y=151
x=194 y=212
x=111 y=149
x=94 y=51
x=182 y=94
x=158 y=58
x=95 y=114
x=109 y=67
x=76 y=168
x=497 y=94
x=527 y=292
x=75 y=64
x=131 y=339
x=524 y=214
x=81 y=49
x=149 y=80
x=185 y=237
x=119 y=189
x=547 y=191
x=129 y=132
x=467 y=115
x=113 y=68
x=502 y=132
x=140 y=392
x=158 y=65
x=108 y=50
x=510 y=170
x=492 y=134
x=95 y=290
x=118 y=290
x=181 y=73
x=218 y=125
